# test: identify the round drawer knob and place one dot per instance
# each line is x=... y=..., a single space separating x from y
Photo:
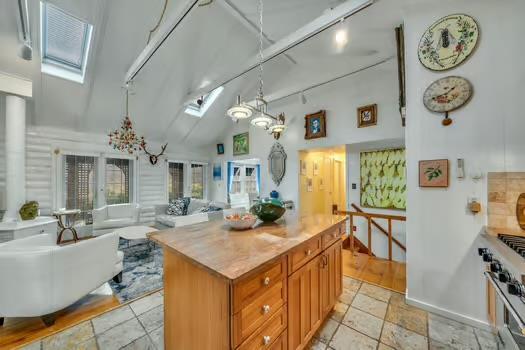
x=266 y=309
x=266 y=281
x=267 y=339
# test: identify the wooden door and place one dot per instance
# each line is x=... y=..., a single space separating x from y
x=331 y=276
x=304 y=304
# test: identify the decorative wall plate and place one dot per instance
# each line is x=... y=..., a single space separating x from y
x=447 y=94
x=448 y=42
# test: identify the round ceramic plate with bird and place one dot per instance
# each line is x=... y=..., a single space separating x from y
x=448 y=42
x=447 y=94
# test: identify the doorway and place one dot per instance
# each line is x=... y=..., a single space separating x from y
x=322 y=180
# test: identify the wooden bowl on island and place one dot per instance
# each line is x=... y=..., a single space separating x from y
x=241 y=221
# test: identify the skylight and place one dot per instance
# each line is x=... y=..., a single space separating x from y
x=198 y=111
x=65 y=42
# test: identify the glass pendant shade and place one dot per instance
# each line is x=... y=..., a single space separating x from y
x=277 y=128
x=262 y=121
x=239 y=110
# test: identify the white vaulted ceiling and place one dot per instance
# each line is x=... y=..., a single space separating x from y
x=210 y=42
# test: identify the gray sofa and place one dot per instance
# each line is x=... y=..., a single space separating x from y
x=163 y=220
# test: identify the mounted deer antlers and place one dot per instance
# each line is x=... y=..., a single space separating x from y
x=154 y=158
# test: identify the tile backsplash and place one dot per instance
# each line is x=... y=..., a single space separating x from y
x=503 y=192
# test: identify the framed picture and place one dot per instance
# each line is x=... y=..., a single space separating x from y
x=309 y=184
x=217 y=172
x=241 y=144
x=315 y=125
x=367 y=116
x=316 y=168
x=303 y=167
x=220 y=148
x=433 y=173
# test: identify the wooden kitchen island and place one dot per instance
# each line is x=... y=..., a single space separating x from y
x=266 y=288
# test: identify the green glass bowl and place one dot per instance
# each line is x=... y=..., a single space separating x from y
x=268 y=209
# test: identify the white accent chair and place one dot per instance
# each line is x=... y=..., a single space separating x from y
x=39 y=278
x=114 y=216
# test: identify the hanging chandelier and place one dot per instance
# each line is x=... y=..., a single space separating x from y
x=126 y=139
x=261 y=118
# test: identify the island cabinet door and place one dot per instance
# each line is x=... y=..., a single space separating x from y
x=331 y=276
x=304 y=304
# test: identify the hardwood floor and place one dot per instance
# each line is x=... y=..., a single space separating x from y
x=17 y=332
x=380 y=272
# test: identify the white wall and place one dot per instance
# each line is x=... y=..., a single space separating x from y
x=42 y=164
x=340 y=99
x=444 y=271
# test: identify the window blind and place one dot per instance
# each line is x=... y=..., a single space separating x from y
x=118 y=189
x=79 y=175
x=175 y=181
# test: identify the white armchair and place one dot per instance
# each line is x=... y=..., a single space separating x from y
x=109 y=217
x=39 y=278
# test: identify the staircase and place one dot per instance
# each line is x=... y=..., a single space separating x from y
x=374 y=221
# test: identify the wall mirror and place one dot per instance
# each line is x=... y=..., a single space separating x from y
x=277 y=163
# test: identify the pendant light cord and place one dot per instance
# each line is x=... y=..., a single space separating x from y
x=158 y=23
x=261 y=57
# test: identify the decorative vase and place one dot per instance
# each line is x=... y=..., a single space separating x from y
x=29 y=211
x=274 y=194
x=268 y=209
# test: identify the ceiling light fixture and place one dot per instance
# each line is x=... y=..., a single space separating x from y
x=341 y=37
x=262 y=119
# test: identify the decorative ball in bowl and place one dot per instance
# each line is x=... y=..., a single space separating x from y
x=240 y=221
x=268 y=209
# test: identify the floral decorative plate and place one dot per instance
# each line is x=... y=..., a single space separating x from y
x=448 y=42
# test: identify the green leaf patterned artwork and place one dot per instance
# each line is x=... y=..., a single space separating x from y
x=383 y=179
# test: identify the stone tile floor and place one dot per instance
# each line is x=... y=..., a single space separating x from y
x=367 y=317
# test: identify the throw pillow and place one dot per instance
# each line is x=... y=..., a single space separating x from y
x=176 y=207
x=186 y=202
x=210 y=208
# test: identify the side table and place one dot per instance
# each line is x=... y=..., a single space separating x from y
x=66 y=221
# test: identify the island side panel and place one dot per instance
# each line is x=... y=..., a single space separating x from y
x=196 y=306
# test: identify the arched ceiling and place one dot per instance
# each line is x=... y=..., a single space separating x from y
x=211 y=41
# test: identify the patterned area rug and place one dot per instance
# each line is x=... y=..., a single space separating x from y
x=142 y=272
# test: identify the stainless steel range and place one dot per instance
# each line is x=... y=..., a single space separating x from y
x=504 y=256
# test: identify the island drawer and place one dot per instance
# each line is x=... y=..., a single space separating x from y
x=330 y=237
x=262 y=308
x=269 y=335
x=281 y=343
x=249 y=288
x=302 y=254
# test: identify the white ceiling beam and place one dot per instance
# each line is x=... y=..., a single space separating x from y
x=311 y=29
x=239 y=15
x=164 y=31
x=14 y=85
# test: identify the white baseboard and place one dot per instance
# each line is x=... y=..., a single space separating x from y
x=474 y=322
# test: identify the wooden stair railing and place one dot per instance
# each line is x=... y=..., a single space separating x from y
x=371 y=222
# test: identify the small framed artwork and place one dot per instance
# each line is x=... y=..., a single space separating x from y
x=316 y=168
x=241 y=144
x=367 y=116
x=303 y=167
x=217 y=172
x=433 y=173
x=309 y=184
x=315 y=125
x=220 y=148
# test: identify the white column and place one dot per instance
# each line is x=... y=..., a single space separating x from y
x=15 y=142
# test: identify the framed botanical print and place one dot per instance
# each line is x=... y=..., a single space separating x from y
x=433 y=173
x=241 y=144
x=315 y=125
x=367 y=116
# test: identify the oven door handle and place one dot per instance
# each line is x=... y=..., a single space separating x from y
x=505 y=301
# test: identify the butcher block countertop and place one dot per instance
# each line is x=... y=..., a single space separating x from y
x=231 y=254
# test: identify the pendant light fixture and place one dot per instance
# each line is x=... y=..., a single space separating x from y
x=261 y=117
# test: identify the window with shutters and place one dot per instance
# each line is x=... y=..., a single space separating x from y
x=118 y=180
x=175 y=180
x=197 y=181
x=80 y=184
x=65 y=41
